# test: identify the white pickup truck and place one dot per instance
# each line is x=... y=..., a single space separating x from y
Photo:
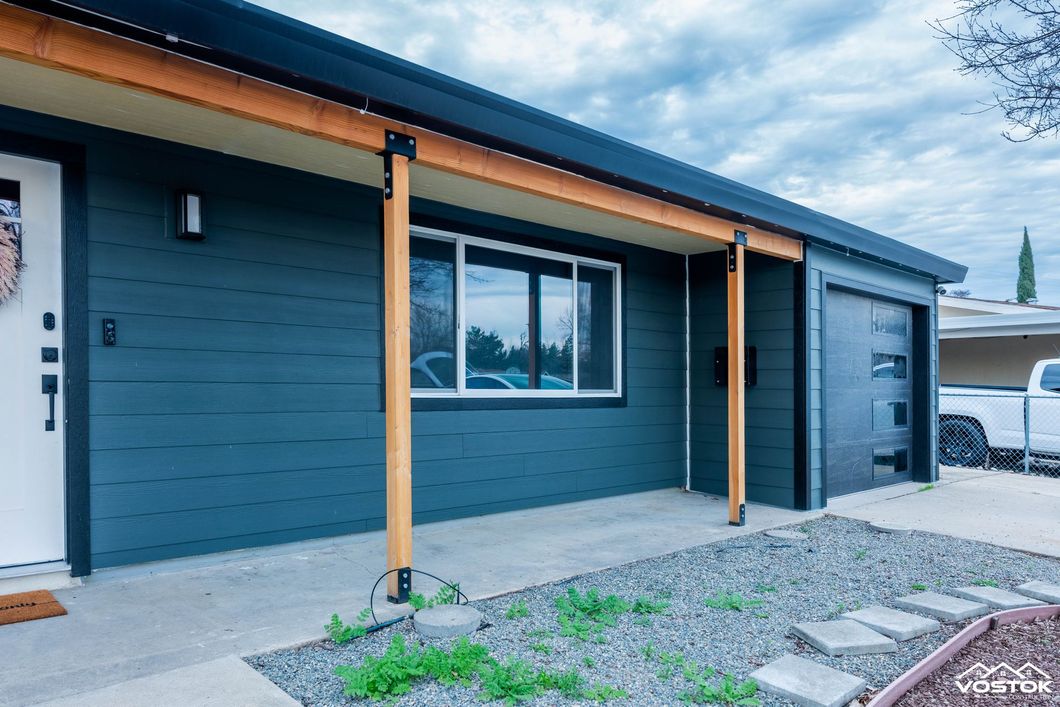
x=985 y=426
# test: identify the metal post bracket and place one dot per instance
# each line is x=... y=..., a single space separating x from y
x=396 y=144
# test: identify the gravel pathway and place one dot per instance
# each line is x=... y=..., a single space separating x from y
x=844 y=566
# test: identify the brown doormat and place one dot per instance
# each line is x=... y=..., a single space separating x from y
x=28 y=606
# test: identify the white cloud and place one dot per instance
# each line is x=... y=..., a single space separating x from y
x=849 y=108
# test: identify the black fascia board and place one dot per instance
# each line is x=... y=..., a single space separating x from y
x=257 y=42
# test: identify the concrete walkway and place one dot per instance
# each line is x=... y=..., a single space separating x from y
x=996 y=507
x=171 y=633
x=166 y=625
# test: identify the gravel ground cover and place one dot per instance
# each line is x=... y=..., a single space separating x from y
x=844 y=566
x=1016 y=644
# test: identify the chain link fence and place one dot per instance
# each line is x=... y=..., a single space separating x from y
x=1002 y=430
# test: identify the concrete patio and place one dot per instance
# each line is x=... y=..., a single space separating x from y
x=178 y=628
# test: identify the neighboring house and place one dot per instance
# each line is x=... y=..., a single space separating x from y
x=242 y=345
x=985 y=342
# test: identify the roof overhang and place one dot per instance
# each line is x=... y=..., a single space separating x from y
x=61 y=68
x=284 y=51
x=994 y=325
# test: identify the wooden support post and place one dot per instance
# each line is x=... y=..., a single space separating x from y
x=736 y=383
x=398 y=386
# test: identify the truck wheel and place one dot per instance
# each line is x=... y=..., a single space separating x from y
x=962 y=443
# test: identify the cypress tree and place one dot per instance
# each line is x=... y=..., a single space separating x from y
x=1025 y=287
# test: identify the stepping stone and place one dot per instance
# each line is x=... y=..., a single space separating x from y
x=894 y=528
x=447 y=621
x=807 y=683
x=997 y=598
x=948 y=609
x=787 y=535
x=843 y=637
x=1038 y=589
x=890 y=622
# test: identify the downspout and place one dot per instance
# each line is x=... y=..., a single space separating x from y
x=688 y=378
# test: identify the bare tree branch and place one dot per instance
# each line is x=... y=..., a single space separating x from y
x=1016 y=43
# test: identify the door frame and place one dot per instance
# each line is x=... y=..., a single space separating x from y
x=924 y=470
x=71 y=159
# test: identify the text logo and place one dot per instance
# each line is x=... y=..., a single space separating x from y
x=1003 y=679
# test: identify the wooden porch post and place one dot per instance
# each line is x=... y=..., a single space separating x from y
x=736 y=384
x=400 y=149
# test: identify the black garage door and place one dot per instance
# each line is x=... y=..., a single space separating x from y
x=868 y=392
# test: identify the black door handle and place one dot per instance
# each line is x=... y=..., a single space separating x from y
x=49 y=385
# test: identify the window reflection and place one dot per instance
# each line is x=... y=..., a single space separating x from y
x=596 y=328
x=888 y=414
x=519 y=321
x=432 y=318
x=889 y=366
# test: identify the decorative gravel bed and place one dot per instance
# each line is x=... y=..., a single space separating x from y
x=844 y=566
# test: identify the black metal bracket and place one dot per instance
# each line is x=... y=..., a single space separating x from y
x=404 y=579
x=739 y=238
x=396 y=144
x=750 y=366
x=743 y=517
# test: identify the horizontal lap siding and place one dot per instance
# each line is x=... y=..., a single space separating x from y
x=242 y=404
x=770 y=411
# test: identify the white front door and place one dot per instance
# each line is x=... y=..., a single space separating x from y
x=32 y=527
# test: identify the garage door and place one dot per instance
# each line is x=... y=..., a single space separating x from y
x=868 y=393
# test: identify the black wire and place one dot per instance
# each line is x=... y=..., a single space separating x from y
x=371 y=597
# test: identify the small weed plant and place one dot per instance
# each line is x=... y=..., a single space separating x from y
x=518 y=610
x=343 y=633
x=511 y=680
x=701 y=689
x=918 y=587
x=584 y=617
x=985 y=582
x=731 y=602
x=540 y=647
x=445 y=595
x=926 y=487
x=647 y=605
x=766 y=588
x=861 y=554
x=726 y=692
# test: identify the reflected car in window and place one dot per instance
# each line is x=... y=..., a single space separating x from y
x=513 y=381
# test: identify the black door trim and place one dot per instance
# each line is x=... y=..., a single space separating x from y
x=922 y=423
x=71 y=158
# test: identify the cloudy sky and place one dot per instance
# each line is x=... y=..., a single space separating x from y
x=850 y=108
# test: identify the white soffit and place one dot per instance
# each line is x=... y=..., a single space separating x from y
x=992 y=325
x=66 y=95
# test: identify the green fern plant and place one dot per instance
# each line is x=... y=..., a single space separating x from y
x=342 y=633
x=731 y=602
x=726 y=692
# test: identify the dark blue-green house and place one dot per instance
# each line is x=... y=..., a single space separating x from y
x=259 y=284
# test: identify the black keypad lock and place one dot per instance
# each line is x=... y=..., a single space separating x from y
x=49 y=321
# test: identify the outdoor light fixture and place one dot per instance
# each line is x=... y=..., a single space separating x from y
x=189 y=216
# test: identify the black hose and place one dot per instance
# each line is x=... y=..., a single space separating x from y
x=371 y=597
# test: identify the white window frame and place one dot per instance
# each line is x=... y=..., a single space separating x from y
x=462 y=241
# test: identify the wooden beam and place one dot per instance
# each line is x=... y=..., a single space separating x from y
x=398 y=385
x=35 y=38
x=736 y=385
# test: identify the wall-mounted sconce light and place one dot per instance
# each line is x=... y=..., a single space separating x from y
x=189 y=216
